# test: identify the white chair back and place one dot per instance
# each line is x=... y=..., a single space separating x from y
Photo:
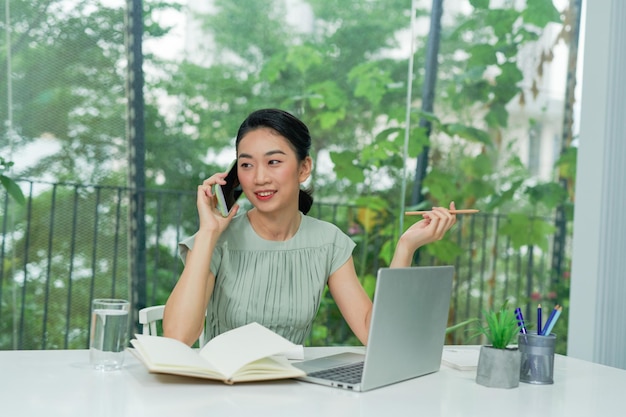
x=148 y=318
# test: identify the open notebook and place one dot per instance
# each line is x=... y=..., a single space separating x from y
x=407 y=332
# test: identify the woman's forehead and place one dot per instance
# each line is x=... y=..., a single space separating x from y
x=263 y=140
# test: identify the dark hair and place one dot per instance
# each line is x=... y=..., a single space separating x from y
x=289 y=127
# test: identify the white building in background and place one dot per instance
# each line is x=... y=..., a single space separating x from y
x=540 y=142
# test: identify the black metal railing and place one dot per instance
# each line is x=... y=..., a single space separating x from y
x=69 y=244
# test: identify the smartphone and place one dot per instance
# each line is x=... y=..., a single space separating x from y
x=228 y=193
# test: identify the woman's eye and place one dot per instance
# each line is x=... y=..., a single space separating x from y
x=274 y=162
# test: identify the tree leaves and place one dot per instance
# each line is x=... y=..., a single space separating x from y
x=540 y=13
x=482 y=55
x=480 y=4
x=370 y=81
x=13 y=189
x=526 y=230
x=11 y=186
x=469 y=133
x=346 y=167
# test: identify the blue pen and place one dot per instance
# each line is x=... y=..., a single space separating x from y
x=549 y=321
x=549 y=327
x=539 y=319
x=520 y=320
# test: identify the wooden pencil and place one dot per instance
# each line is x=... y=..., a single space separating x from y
x=463 y=211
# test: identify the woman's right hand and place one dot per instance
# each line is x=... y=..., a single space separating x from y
x=210 y=217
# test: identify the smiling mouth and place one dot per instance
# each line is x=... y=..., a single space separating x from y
x=265 y=194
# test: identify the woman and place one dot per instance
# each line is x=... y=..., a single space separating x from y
x=272 y=263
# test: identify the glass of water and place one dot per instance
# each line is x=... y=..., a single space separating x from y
x=109 y=333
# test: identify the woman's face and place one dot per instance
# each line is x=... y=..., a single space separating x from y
x=269 y=171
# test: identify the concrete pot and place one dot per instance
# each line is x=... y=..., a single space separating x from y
x=498 y=368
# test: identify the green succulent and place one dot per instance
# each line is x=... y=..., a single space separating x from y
x=500 y=327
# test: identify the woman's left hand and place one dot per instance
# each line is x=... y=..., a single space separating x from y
x=431 y=228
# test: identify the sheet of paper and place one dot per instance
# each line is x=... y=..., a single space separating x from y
x=464 y=358
x=295 y=354
x=170 y=352
x=233 y=349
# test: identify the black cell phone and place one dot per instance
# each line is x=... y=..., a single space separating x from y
x=228 y=193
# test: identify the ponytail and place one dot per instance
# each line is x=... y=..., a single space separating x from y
x=305 y=200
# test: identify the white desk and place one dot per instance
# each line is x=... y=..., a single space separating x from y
x=60 y=383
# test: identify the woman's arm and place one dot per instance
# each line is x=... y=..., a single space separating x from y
x=185 y=308
x=353 y=302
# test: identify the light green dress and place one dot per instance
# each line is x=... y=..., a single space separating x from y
x=278 y=284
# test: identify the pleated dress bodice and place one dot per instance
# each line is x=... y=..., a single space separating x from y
x=278 y=284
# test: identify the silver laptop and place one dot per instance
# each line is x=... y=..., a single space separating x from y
x=407 y=332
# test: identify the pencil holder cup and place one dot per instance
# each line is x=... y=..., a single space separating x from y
x=537 y=362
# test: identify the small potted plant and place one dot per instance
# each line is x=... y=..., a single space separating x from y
x=499 y=362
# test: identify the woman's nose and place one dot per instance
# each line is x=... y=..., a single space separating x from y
x=260 y=176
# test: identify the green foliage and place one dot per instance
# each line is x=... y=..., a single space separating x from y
x=460 y=325
x=540 y=13
x=346 y=166
x=468 y=133
x=371 y=81
x=11 y=186
x=567 y=163
x=500 y=327
x=527 y=231
x=342 y=77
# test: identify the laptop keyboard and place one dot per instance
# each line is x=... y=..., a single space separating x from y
x=350 y=374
